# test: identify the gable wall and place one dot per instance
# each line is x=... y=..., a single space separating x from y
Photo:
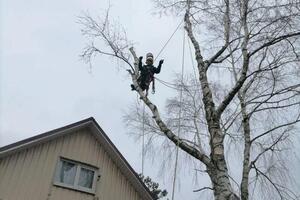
x=28 y=174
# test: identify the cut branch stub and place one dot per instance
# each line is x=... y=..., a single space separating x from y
x=136 y=61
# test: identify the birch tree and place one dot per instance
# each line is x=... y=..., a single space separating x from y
x=256 y=44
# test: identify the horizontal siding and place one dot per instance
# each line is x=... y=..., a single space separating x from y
x=29 y=174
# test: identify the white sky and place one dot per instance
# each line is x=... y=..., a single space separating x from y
x=44 y=85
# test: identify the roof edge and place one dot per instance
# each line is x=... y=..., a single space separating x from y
x=47 y=134
x=122 y=158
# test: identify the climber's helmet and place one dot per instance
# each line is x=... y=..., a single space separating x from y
x=149 y=58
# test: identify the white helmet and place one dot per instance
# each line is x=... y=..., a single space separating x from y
x=149 y=56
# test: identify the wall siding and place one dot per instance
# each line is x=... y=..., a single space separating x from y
x=28 y=174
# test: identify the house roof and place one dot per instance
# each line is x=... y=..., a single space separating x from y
x=96 y=130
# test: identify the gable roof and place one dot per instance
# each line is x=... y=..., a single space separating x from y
x=102 y=138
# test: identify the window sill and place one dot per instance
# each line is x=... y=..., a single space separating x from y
x=57 y=184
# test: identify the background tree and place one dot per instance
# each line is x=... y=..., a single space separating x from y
x=255 y=46
x=153 y=187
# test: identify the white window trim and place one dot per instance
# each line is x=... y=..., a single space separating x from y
x=75 y=186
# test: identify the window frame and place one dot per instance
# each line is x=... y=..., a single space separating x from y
x=79 y=166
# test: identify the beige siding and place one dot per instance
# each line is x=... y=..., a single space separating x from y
x=29 y=174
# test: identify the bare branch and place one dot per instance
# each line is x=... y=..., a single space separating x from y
x=204 y=188
x=271 y=147
x=245 y=66
x=270 y=180
x=275 y=128
x=226 y=34
x=274 y=41
x=113 y=35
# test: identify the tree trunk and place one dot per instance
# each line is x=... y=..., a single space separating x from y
x=247 y=146
x=219 y=172
x=221 y=185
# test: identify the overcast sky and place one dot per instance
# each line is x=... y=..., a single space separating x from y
x=44 y=85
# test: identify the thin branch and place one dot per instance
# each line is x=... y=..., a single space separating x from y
x=204 y=188
x=269 y=179
x=226 y=34
x=274 y=41
x=270 y=148
x=275 y=128
x=228 y=98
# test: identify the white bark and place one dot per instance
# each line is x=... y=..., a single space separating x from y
x=217 y=171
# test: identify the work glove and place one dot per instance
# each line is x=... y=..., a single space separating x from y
x=161 y=62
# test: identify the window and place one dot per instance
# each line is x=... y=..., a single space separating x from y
x=75 y=175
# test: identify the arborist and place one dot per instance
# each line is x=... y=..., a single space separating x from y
x=147 y=73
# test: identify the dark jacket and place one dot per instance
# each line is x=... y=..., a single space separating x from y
x=145 y=69
x=147 y=74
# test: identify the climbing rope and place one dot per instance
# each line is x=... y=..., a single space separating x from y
x=179 y=118
x=167 y=84
x=153 y=90
x=164 y=46
x=143 y=138
x=173 y=86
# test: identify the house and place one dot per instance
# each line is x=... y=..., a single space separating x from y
x=77 y=162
